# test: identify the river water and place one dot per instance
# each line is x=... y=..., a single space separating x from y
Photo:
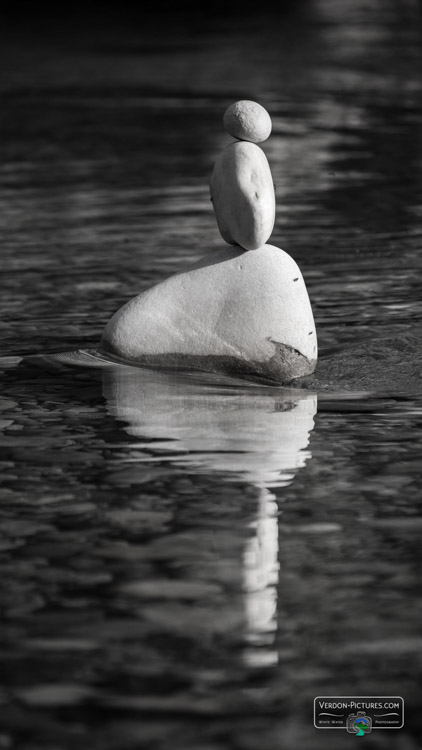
x=188 y=560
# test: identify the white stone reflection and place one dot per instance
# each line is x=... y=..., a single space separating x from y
x=260 y=564
x=254 y=433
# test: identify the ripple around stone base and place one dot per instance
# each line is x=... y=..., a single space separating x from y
x=283 y=367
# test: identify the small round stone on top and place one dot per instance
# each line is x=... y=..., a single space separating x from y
x=247 y=121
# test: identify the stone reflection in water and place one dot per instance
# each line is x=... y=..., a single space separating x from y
x=251 y=433
x=260 y=576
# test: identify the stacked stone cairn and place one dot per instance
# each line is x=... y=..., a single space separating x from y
x=244 y=309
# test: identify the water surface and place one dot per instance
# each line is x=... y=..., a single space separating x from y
x=188 y=560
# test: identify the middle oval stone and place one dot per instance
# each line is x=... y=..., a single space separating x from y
x=242 y=192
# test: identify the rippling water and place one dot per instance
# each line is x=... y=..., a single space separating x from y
x=188 y=560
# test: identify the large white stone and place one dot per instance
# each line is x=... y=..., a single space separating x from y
x=242 y=192
x=248 y=121
x=243 y=313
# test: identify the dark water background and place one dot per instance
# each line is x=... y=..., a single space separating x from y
x=187 y=561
